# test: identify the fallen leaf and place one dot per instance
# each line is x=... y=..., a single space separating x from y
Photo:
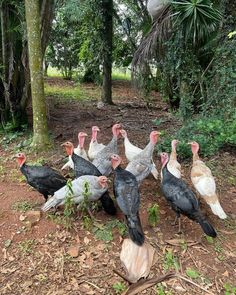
x=73 y=251
x=86 y=240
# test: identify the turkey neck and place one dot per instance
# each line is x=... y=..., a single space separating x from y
x=81 y=142
x=24 y=170
x=94 y=136
x=173 y=155
x=196 y=157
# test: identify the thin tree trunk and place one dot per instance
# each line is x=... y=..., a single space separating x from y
x=41 y=137
x=107 y=17
x=5 y=57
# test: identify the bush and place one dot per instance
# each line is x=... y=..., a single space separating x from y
x=212 y=134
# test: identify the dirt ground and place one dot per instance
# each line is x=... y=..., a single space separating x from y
x=39 y=258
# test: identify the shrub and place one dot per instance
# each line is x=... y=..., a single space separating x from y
x=212 y=134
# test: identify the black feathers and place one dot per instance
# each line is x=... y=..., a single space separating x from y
x=44 y=179
x=128 y=199
x=183 y=200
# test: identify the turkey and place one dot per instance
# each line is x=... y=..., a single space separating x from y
x=128 y=199
x=154 y=7
x=131 y=151
x=182 y=199
x=142 y=164
x=102 y=160
x=80 y=151
x=173 y=165
x=43 y=178
x=97 y=187
x=84 y=167
x=204 y=182
x=94 y=146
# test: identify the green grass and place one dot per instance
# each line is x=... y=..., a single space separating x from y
x=117 y=74
x=66 y=92
x=53 y=72
x=170 y=261
x=22 y=206
x=119 y=287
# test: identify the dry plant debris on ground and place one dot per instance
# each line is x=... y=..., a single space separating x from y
x=42 y=255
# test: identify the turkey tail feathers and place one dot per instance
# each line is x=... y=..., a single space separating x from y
x=108 y=204
x=206 y=226
x=218 y=210
x=135 y=230
x=52 y=202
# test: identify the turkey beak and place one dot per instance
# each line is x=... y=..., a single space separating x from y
x=63 y=144
x=189 y=143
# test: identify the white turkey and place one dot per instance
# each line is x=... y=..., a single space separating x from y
x=131 y=151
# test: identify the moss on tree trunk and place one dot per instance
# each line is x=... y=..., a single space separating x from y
x=40 y=129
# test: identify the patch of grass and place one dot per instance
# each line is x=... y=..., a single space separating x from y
x=170 y=261
x=119 y=287
x=153 y=215
x=229 y=289
x=192 y=273
x=66 y=92
x=53 y=72
x=26 y=247
x=210 y=240
x=118 y=75
x=219 y=251
x=104 y=232
x=160 y=290
x=22 y=206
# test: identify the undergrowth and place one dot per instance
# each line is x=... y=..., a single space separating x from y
x=212 y=134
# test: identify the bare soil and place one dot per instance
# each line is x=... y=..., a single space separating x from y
x=35 y=260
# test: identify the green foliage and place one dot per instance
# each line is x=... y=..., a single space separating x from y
x=104 y=232
x=84 y=205
x=212 y=134
x=69 y=209
x=192 y=273
x=119 y=287
x=170 y=261
x=160 y=290
x=198 y=19
x=153 y=215
x=22 y=206
x=229 y=289
x=67 y=218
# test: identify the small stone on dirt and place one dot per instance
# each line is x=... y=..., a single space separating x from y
x=73 y=251
x=22 y=217
x=33 y=217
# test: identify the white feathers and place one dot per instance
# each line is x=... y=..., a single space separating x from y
x=96 y=191
x=218 y=210
x=204 y=183
x=131 y=151
x=174 y=170
x=154 y=6
x=94 y=149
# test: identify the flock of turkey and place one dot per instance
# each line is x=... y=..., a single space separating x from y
x=101 y=160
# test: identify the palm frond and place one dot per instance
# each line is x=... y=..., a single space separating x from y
x=152 y=43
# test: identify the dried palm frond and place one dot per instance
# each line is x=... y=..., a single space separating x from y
x=152 y=43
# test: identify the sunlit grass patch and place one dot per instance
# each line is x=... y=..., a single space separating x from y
x=64 y=92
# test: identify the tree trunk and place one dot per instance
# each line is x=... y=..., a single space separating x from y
x=107 y=33
x=41 y=136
